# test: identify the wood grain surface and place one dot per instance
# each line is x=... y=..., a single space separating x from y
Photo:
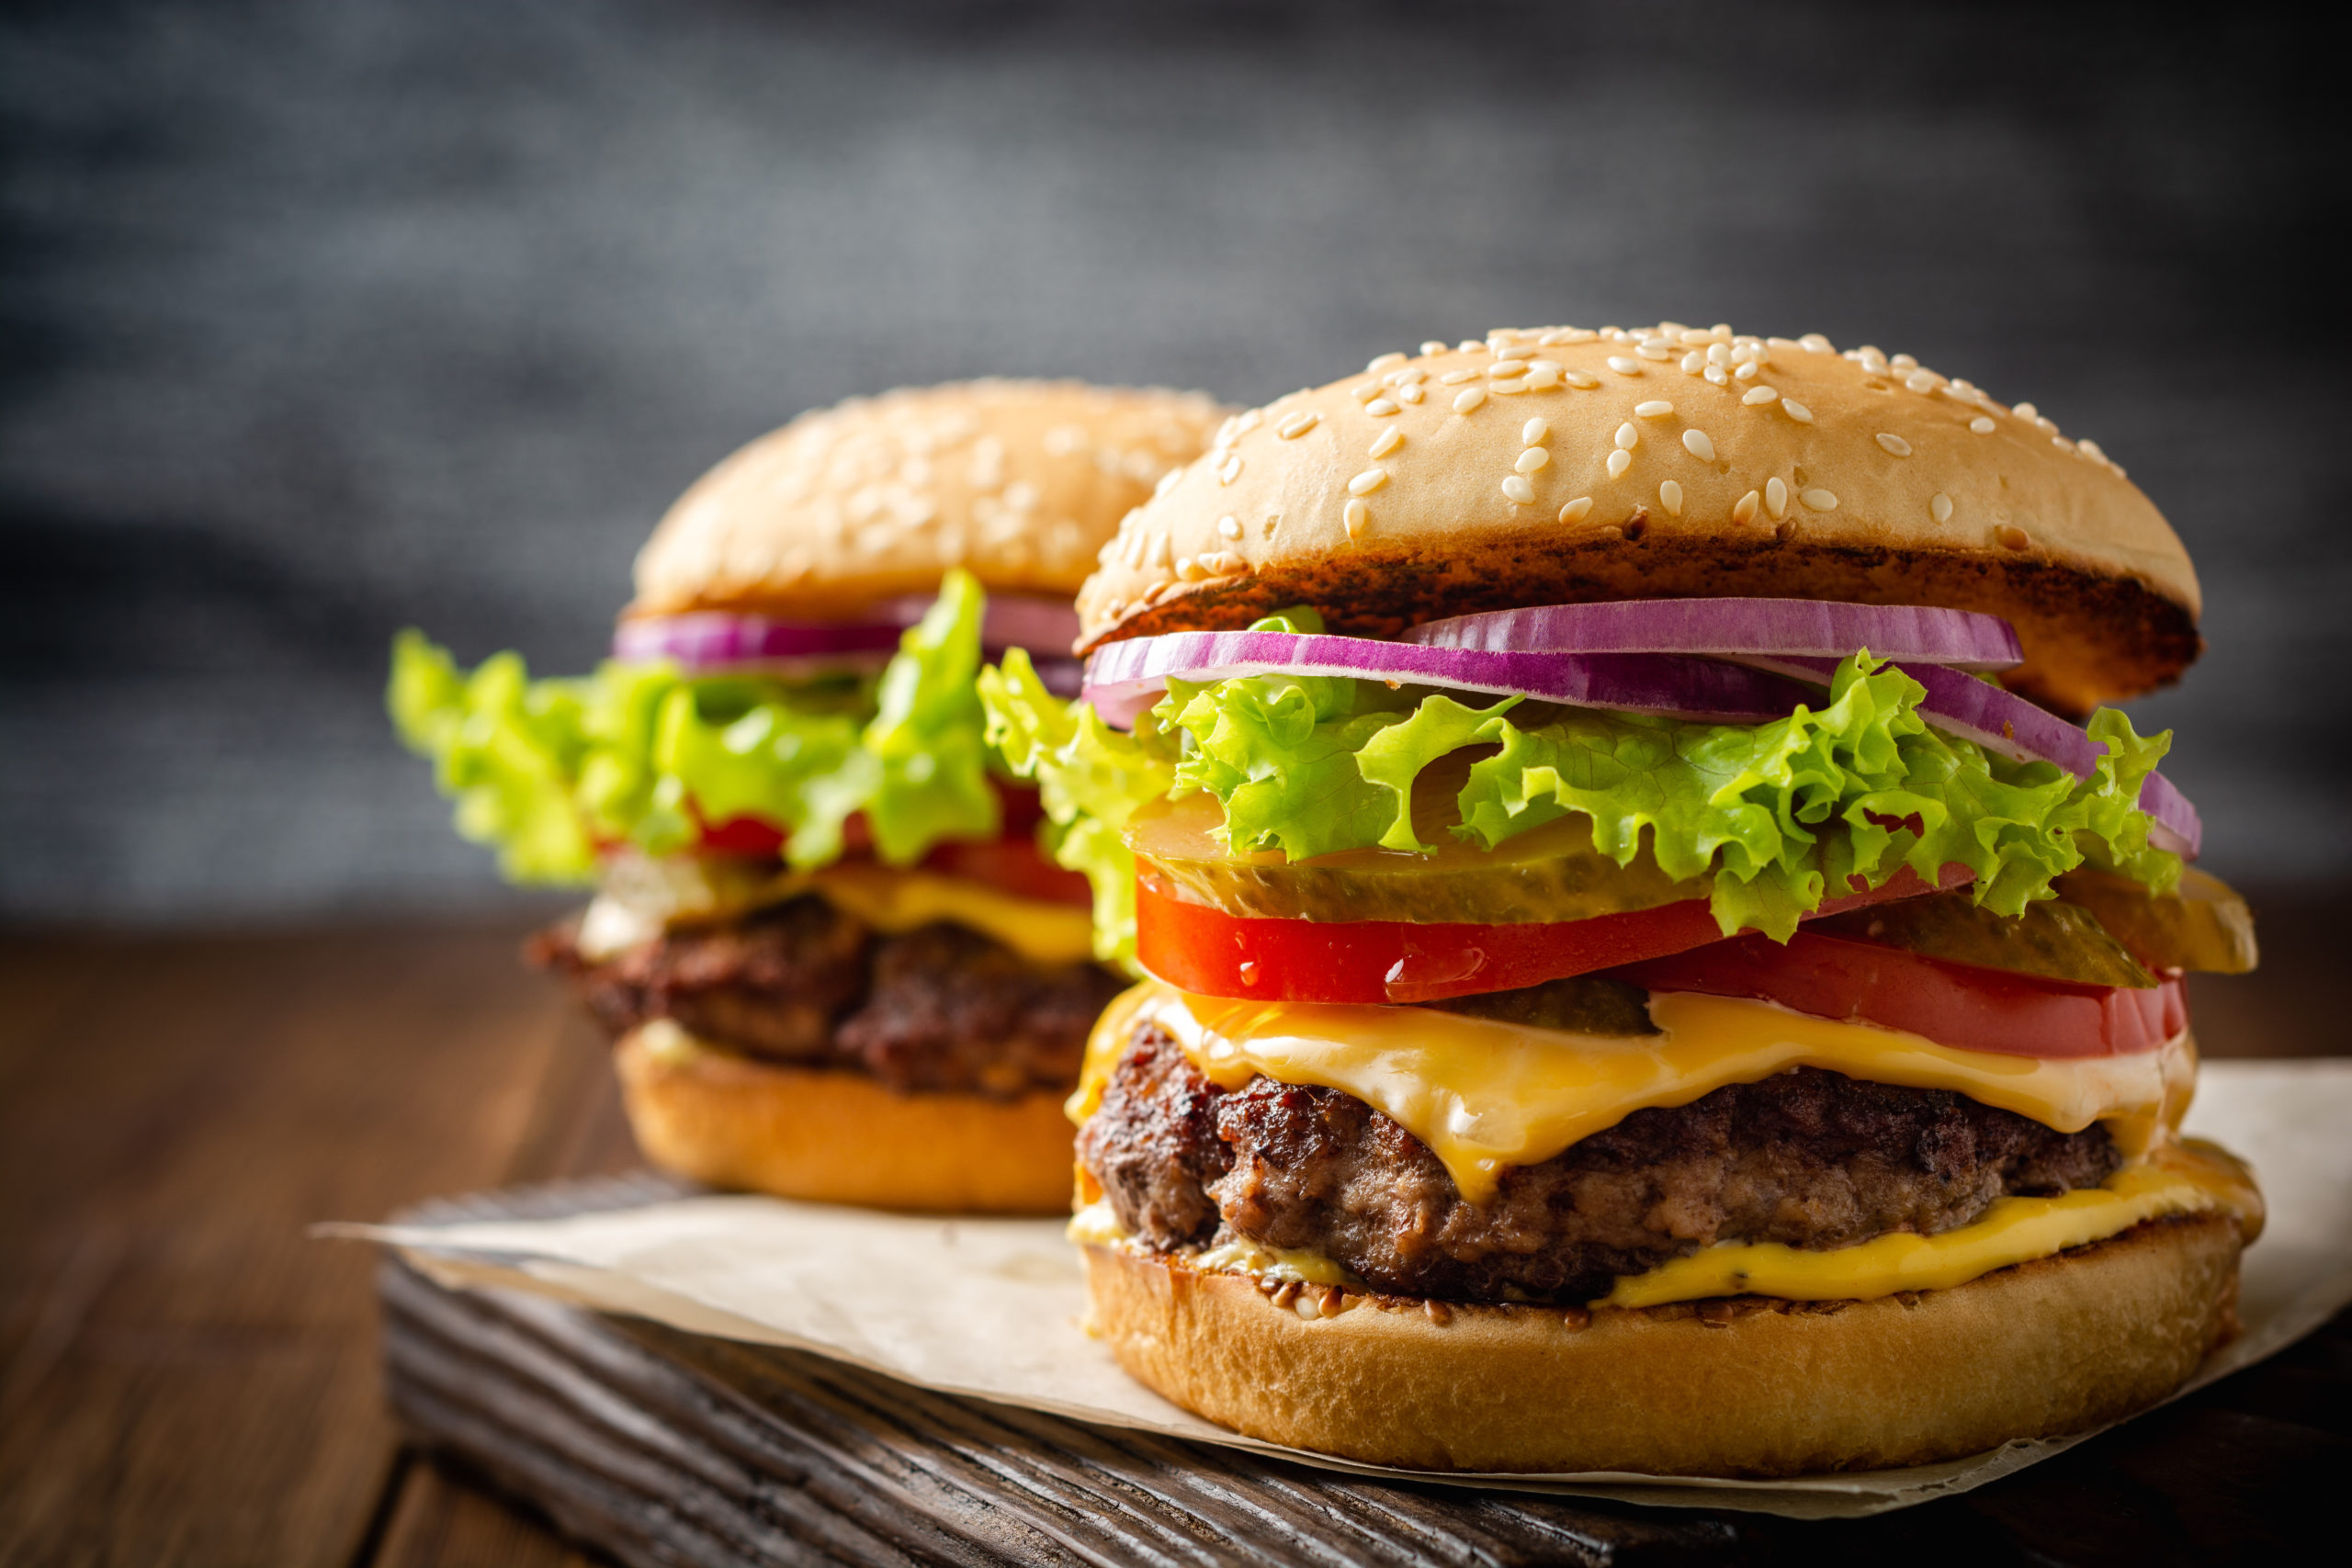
x=185 y=1378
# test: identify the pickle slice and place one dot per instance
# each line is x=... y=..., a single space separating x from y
x=1551 y=873
x=2052 y=939
x=2202 y=924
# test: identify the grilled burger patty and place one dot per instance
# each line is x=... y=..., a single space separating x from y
x=940 y=1008
x=1809 y=1158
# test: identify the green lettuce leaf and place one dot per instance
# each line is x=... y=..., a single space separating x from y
x=546 y=770
x=1781 y=813
x=1091 y=779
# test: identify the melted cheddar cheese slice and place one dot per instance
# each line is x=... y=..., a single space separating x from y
x=1484 y=1095
x=888 y=899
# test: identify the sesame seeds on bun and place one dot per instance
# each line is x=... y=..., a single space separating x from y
x=1020 y=481
x=1550 y=465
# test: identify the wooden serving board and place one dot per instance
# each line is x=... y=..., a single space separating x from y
x=663 y=1448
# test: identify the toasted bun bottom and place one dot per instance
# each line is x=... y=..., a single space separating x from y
x=1735 y=1388
x=841 y=1137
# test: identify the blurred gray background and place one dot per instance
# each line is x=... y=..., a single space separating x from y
x=322 y=320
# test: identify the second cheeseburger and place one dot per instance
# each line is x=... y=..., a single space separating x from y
x=1646 y=974
x=833 y=963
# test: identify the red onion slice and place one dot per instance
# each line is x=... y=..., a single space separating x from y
x=708 y=639
x=2003 y=722
x=1127 y=677
x=1734 y=627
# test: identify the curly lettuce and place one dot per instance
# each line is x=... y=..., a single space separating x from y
x=1091 y=779
x=548 y=770
x=1779 y=813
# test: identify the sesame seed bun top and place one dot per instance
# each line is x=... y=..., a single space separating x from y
x=1021 y=482
x=1552 y=465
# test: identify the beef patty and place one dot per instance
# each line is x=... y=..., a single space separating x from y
x=940 y=1008
x=1809 y=1158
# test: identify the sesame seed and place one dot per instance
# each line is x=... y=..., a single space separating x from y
x=1367 y=481
x=1568 y=334
x=1356 y=515
x=1229 y=527
x=1755 y=395
x=1467 y=400
x=1893 y=444
x=1654 y=350
x=1366 y=392
x=1297 y=424
x=1813 y=342
x=1543 y=377
x=1797 y=410
x=1167 y=483
x=1625 y=367
x=1508 y=389
x=1404 y=377
x=1188 y=568
x=1903 y=362
x=1629 y=436
x=1579 y=381
x=1380 y=408
x=1747 y=372
x=1716 y=374
x=1693 y=362
x=2061 y=444
x=2012 y=538
x=1573 y=511
x=1469 y=346
x=1819 y=500
x=1533 y=431
x=1695 y=441
x=1619 y=461
x=1520 y=492
x=1744 y=509
x=1776 y=497
x=1230 y=472
x=1455 y=378
x=1516 y=351
x=1693 y=334
x=1411 y=394
x=1669 y=495
x=1656 y=407
x=1431 y=347
x=2026 y=411
x=1390 y=439
x=1920 y=380
x=1982 y=425
x=1382 y=362
x=1534 y=457
x=1939 y=507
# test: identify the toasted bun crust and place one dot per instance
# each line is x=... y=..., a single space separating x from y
x=1715 y=1387
x=1022 y=481
x=839 y=1137
x=2017 y=520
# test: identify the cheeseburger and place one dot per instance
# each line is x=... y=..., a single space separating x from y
x=1654 y=963
x=833 y=962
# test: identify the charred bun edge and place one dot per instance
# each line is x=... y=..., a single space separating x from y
x=2089 y=636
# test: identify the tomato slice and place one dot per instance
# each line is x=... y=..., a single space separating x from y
x=1204 y=950
x=1014 y=866
x=1959 y=1005
x=1010 y=862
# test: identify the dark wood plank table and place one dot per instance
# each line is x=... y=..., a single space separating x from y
x=185 y=1379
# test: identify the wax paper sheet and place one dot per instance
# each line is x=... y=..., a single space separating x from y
x=991 y=1309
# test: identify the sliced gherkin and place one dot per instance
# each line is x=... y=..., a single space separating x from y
x=1552 y=872
x=2052 y=939
x=2202 y=924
